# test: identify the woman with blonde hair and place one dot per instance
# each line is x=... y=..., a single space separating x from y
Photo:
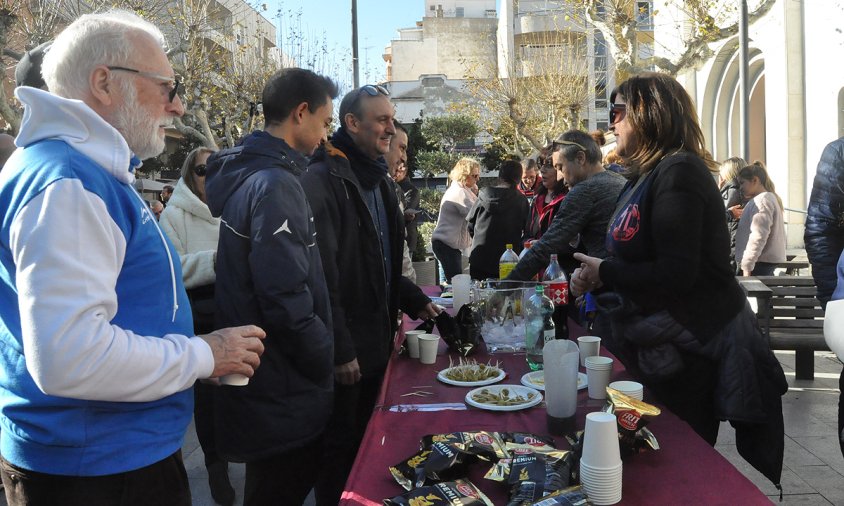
x=760 y=237
x=451 y=235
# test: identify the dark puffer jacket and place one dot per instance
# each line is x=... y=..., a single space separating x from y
x=824 y=233
x=269 y=274
x=731 y=193
x=364 y=313
x=497 y=219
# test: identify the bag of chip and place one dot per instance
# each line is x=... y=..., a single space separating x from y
x=572 y=496
x=533 y=475
x=439 y=462
x=527 y=441
x=486 y=445
x=458 y=492
x=632 y=416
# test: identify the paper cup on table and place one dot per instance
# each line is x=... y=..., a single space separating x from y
x=598 y=371
x=412 y=339
x=234 y=380
x=600 y=441
x=461 y=286
x=590 y=346
x=428 y=344
x=631 y=388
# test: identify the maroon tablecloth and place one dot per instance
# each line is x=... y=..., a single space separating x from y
x=686 y=470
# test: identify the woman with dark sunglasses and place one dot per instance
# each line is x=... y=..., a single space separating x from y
x=188 y=223
x=681 y=322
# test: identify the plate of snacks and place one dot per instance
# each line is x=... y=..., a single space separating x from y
x=469 y=373
x=503 y=397
x=536 y=379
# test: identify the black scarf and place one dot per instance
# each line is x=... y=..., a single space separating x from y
x=368 y=171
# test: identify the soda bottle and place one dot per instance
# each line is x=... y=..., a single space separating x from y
x=539 y=326
x=558 y=291
x=507 y=262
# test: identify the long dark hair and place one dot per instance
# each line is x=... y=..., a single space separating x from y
x=663 y=120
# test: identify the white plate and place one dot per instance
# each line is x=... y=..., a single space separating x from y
x=489 y=381
x=514 y=391
x=536 y=379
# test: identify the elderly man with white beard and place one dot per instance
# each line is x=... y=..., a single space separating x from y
x=96 y=376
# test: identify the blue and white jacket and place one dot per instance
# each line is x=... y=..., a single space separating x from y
x=96 y=364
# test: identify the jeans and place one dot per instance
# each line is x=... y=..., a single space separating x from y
x=451 y=259
x=763 y=269
x=164 y=483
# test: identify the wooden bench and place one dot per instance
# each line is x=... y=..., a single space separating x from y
x=790 y=316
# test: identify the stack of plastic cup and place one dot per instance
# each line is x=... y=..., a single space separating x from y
x=600 y=465
x=631 y=388
x=598 y=370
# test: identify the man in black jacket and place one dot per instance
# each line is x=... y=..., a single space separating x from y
x=360 y=232
x=269 y=271
x=824 y=236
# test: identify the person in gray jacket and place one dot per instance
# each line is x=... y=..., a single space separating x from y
x=586 y=209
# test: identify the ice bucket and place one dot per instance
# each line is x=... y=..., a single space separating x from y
x=500 y=303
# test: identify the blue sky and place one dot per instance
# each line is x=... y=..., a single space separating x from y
x=330 y=21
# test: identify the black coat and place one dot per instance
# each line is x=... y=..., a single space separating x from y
x=496 y=219
x=824 y=232
x=269 y=274
x=731 y=194
x=364 y=313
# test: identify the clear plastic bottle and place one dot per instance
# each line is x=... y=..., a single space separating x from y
x=507 y=262
x=558 y=291
x=525 y=249
x=539 y=326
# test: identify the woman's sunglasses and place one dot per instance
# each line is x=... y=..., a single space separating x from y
x=199 y=170
x=617 y=112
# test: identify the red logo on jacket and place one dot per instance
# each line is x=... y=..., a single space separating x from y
x=627 y=224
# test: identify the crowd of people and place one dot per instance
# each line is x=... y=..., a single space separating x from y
x=285 y=262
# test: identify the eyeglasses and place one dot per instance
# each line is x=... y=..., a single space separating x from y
x=171 y=81
x=617 y=112
x=200 y=170
x=373 y=90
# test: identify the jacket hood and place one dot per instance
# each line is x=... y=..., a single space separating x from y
x=494 y=197
x=229 y=168
x=48 y=116
x=183 y=198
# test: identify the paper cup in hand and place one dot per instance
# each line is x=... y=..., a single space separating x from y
x=412 y=340
x=235 y=380
x=589 y=347
x=428 y=344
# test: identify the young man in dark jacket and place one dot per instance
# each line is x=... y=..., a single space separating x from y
x=360 y=232
x=269 y=271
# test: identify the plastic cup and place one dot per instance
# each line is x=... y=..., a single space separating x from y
x=631 y=388
x=600 y=442
x=234 y=380
x=598 y=371
x=412 y=339
x=589 y=347
x=428 y=344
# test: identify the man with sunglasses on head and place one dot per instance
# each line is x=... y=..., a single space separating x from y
x=360 y=232
x=96 y=376
x=584 y=212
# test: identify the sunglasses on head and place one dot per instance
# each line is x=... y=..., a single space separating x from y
x=617 y=112
x=373 y=90
x=568 y=143
x=199 y=170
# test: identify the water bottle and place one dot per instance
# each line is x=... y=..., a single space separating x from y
x=539 y=326
x=525 y=249
x=558 y=291
x=507 y=262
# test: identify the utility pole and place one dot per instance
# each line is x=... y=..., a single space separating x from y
x=744 y=92
x=355 y=58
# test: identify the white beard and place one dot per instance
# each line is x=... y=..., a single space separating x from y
x=138 y=128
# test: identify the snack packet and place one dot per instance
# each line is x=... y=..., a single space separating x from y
x=439 y=462
x=526 y=441
x=486 y=445
x=572 y=496
x=458 y=492
x=533 y=475
x=632 y=415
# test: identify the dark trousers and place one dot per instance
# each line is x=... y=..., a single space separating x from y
x=286 y=478
x=353 y=405
x=451 y=259
x=841 y=412
x=763 y=269
x=164 y=483
x=203 y=419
